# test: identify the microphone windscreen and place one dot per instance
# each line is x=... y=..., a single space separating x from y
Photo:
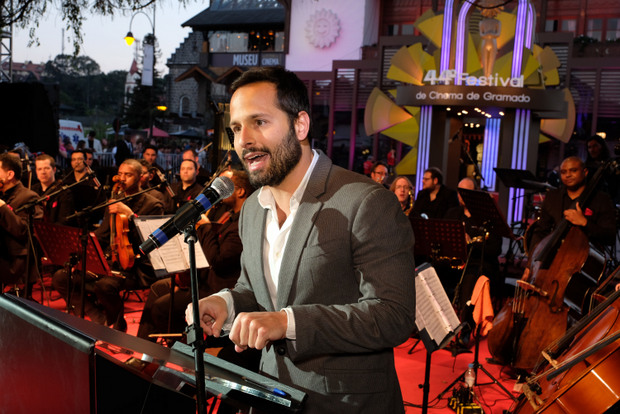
x=224 y=186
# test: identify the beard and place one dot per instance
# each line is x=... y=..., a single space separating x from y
x=281 y=161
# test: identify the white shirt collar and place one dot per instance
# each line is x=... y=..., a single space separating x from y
x=265 y=196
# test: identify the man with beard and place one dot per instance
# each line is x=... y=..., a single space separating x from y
x=596 y=219
x=435 y=199
x=14 y=226
x=324 y=292
x=108 y=307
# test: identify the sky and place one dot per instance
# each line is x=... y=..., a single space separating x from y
x=103 y=36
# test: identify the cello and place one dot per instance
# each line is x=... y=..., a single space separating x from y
x=121 y=250
x=538 y=315
x=583 y=374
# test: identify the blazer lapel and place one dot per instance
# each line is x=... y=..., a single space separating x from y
x=302 y=226
x=254 y=251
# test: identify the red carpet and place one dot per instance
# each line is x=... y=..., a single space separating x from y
x=444 y=367
x=444 y=370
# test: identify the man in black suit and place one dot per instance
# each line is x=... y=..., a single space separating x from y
x=14 y=226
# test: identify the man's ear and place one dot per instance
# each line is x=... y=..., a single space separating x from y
x=302 y=125
x=10 y=174
x=241 y=191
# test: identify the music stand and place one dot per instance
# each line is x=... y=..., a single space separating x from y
x=62 y=244
x=485 y=213
x=436 y=319
x=437 y=238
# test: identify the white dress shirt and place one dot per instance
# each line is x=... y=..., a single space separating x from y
x=274 y=245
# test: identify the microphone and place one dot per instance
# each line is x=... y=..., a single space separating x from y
x=424 y=216
x=162 y=178
x=92 y=174
x=222 y=187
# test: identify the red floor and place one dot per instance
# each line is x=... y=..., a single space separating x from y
x=411 y=367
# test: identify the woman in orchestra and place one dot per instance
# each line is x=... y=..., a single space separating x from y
x=403 y=189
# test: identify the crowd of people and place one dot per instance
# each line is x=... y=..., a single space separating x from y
x=311 y=266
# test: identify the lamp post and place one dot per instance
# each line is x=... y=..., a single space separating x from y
x=148 y=65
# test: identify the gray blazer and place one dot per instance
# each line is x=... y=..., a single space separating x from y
x=348 y=275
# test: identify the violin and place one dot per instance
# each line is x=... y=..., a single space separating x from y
x=120 y=246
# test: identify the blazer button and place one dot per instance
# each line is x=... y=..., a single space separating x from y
x=281 y=350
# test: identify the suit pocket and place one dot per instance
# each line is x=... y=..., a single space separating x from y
x=356 y=381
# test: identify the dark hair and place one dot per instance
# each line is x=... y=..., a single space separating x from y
x=11 y=163
x=80 y=150
x=241 y=179
x=435 y=173
x=192 y=161
x=291 y=91
x=604 y=148
x=88 y=151
x=92 y=133
x=149 y=146
x=376 y=164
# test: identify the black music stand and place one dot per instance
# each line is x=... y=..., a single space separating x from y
x=485 y=214
x=62 y=244
x=438 y=239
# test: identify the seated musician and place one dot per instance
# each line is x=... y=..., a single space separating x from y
x=14 y=226
x=596 y=219
x=107 y=305
x=187 y=188
x=150 y=178
x=57 y=208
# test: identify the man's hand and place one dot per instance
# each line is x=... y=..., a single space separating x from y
x=213 y=313
x=257 y=329
x=576 y=216
x=2 y=203
x=120 y=208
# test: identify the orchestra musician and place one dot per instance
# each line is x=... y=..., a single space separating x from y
x=403 y=189
x=108 y=307
x=57 y=208
x=14 y=226
x=597 y=219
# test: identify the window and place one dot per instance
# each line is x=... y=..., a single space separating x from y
x=569 y=25
x=595 y=29
x=613 y=29
x=183 y=105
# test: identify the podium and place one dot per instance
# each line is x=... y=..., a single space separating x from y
x=56 y=362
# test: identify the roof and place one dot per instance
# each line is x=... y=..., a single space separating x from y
x=225 y=15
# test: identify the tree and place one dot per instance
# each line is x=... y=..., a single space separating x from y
x=28 y=13
x=84 y=87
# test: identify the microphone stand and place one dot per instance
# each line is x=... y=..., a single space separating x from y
x=194 y=332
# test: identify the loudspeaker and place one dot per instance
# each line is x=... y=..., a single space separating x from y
x=29 y=114
x=56 y=363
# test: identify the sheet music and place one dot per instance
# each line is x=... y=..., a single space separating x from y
x=172 y=257
x=434 y=312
